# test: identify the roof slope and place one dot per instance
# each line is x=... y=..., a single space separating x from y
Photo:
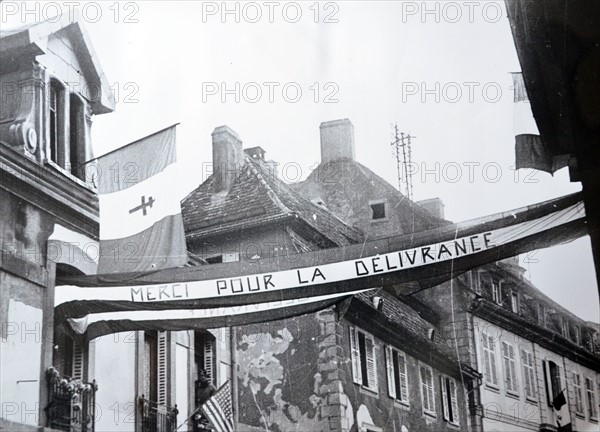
x=32 y=40
x=257 y=198
x=346 y=187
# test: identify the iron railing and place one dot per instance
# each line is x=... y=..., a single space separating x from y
x=71 y=403
x=156 y=417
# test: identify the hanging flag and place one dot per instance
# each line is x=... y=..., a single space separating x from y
x=563 y=416
x=530 y=149
x=219 y=409
x=141 y=228
x=71 y=248
x=441 y=253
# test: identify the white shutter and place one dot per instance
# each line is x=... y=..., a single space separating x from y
x=548 y=379
x=403 y=377
x=513 y=368
x=492 y=345
x=77 y=369
x=507 y=369
x=355 y=356
x=209 y=355
x=444 y=398
x=526 y=377
x=454 y=401
x=391 y=380
x=162 y=349
x=371 y=362
x=431 y=391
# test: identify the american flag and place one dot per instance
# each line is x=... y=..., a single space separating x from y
x=219 y=409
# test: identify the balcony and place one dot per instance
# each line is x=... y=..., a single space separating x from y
x=156 y=417
x=71 y=403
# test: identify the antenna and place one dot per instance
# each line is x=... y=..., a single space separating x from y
x=401 y=147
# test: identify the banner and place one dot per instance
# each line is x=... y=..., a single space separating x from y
x=441 y=254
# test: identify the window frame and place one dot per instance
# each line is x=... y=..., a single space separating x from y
x=514 y=301
x=528 y=369
x=449 y=393
x=489 y=356
x=578 y=393
x=385 y=210
x=427 y=391
x=592 y=404
x=396 y=384
x=497 y=292
x=509 y=363
x=357 y=360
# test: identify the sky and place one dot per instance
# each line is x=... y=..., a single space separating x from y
x=274 y=71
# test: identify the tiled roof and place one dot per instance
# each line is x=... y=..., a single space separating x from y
x=342 y=182
x=406 y=317
x=257 y=198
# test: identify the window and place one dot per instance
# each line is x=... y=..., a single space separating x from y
x=590 y=394
x=553 y=381
x=541 y=314
x=396 y=374
x=476 y=275
x=564 y=327
x=576 y=335
x=154 y=384
x=577 y=389
x=377 y=210
x=489 y=359
x=364 y=366
x=514 y=302
x=56 y=116
x=77 y=136
x=496 y=292
x=449 y=399
x=528 y=374
x=427 y=392
x=510 y=368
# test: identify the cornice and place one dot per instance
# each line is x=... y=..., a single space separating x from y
x=50 y=190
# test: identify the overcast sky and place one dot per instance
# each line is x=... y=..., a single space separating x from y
x=442 y=74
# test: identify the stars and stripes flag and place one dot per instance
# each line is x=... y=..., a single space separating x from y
x=141 y=228
x=219 y=409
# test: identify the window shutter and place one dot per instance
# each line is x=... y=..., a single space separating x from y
x=444 y=398
x=209 y=355
x=454 y=402
x=507 y=370
x=355 y=357
x=431 y=391
x=391 y=379
x=162 y=368
x=371 y=362
x=492 y=346
x=548 y=381
x=403 y=377
x=77 y=371
x=513 y=368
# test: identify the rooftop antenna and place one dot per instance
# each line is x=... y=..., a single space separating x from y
x=401 y=147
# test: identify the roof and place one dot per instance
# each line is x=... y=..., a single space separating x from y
x=258 y=198
x=31 y=39
x=345 y=183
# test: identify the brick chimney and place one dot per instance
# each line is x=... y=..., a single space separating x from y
x=337 y=140
x=228 y=157
x=435 y=206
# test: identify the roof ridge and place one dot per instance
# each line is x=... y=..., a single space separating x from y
x=270 y=192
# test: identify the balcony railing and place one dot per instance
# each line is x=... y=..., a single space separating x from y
x=156 y=417
x=71 y=403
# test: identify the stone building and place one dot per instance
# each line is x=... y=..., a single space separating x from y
x=51 y=86
x=372 y=364
x=527 y=347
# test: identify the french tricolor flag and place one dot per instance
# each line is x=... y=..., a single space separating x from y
x=141 y=228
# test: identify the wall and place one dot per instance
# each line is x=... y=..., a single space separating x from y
x=503 y=411
x=113 y=359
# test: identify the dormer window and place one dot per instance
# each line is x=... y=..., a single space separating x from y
x=514 y=302
x=66 y=126
x=378 y=210
x=496 y=292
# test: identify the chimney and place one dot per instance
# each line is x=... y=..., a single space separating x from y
x=435 y=206
x=337 y=140
x=228 y=157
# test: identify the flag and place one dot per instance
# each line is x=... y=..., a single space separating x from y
x=219 y=409
x=559 y=401
x=563 y=416
x=530 y=149
x=141 y=228
x=73 y=249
